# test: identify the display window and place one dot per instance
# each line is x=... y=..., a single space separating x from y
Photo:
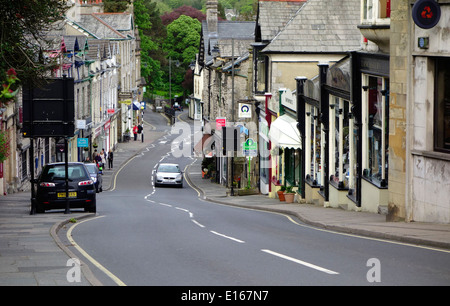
x=375 y=125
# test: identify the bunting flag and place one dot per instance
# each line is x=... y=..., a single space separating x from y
x=66 y=66
x=63 y=45
x=76 y=46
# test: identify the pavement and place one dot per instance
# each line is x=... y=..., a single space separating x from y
x=32 y=254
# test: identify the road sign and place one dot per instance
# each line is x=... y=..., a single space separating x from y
x=250 y=147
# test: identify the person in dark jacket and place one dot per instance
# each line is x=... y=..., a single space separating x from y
x=110 y=159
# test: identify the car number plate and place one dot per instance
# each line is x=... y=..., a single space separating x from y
x=63 y=194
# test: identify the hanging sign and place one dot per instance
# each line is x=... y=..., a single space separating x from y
x=426 y=13
x=220 y=122
x=245 y=110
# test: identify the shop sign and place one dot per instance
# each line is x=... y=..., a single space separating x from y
x=107 y=125
x=288 y=100
x=220 y=122
x=81 y=124
x=245 y=110
x=83 y=142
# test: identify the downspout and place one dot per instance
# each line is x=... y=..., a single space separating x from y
x=301 y=128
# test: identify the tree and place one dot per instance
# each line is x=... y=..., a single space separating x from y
x=152 y=33
x=168 y=18
x=183 y=39
x=22 y=37
x=115 y=6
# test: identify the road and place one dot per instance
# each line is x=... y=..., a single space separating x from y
x=144 y=235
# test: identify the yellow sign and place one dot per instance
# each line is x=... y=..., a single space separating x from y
x=127 y=102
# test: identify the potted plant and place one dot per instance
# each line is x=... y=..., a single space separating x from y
x=281 y=193
x=289 y=195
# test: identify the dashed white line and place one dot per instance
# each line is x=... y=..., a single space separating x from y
x=228 y=237
x=201 y=225
x=182 y=209
x=301 y=262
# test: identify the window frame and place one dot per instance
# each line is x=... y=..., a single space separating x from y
x=440 y=63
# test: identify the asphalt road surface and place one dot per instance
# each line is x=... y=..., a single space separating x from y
x=163 y=236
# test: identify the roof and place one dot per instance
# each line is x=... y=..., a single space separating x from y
x=273 y=16
x=241 y=31
x=107 y=25
x=321 y=26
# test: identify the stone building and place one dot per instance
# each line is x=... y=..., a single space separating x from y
x=419 y=125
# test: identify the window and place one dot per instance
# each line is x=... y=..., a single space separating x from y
x=376 y=10
x=442 y=106
x=260 y=71
x=292 y=166
x=375 y=141
x=339 y=160
x=315 y=148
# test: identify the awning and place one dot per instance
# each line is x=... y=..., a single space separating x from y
x=284 y=133
x=136 y=105
x=204 y=146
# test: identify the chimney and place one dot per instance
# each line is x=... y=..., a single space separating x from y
x=211 y=15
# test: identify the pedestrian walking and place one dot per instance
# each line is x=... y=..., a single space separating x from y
x=110 y=159
x=135 y=132
x=98 y=160
x=103 y=156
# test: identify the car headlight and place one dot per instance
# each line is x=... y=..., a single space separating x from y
x=179 y=177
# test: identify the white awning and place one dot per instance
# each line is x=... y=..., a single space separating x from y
x=284 y=133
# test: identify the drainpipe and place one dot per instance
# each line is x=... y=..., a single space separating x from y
x=324 y=118
x=301 y=128
x=268 y=95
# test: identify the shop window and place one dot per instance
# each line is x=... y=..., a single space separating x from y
x=375 y=153
x=340 y=158
x=292 y=166
x=315 y=146
x=442 y=106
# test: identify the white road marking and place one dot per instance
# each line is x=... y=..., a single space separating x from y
x=201 y=225
x=301 y=262
x=228 y=237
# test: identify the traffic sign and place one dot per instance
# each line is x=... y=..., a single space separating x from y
x=250 y=147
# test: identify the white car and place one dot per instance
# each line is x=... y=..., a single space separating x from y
x=168 y=174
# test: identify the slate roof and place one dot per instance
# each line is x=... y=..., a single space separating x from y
x=273 y=15
x=241 y=31
x=320 y=26
x=107 y=25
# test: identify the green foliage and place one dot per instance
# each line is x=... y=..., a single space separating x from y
x=183 y=39
x=22 y=29
x=115 y=6
x=4 y=146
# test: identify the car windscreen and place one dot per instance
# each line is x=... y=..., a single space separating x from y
x=91 y=168
x=57 y=172
x=168 y=168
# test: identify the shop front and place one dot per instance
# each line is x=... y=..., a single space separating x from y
x=286 y=145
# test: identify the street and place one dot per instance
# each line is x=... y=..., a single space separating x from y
x=164 y=236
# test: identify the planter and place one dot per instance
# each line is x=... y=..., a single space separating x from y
x=281 y=195
x=289 y=197
x=243 y=192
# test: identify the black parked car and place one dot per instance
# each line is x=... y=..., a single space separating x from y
x=96 y=175
x=51 y=188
